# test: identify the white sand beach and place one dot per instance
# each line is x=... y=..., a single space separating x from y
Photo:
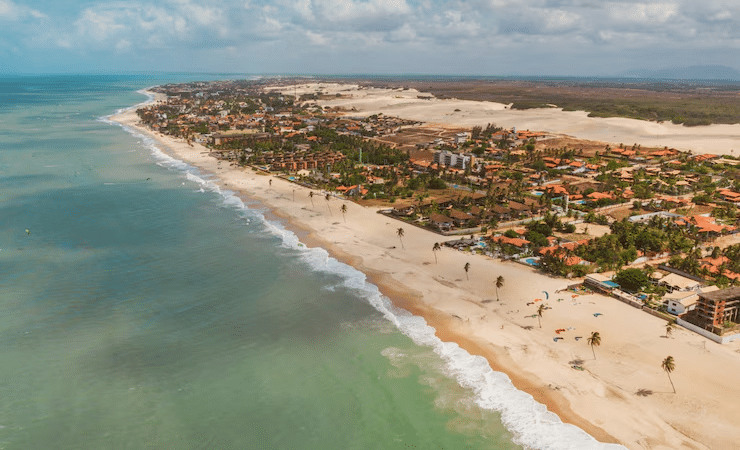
x=717 y=139
x=623 y=395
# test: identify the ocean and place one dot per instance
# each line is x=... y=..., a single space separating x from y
x=143 y=307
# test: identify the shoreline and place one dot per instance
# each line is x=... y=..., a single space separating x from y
x=457 y=311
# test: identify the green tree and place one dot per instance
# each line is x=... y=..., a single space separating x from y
x=594 y=341
x=467 y=269
x=435 y=249
x=499 y=284
x=536 y=239
x=540 y=311
x=511 y=234
x=327 y=197
x=632 y=280
x=344 y=211
x=669 y=326
x=669 y=365
x=310 y=195
x=399 y=233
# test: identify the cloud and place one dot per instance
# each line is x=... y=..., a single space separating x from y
x=10 y=11
x=488 y=34
x=647 y=13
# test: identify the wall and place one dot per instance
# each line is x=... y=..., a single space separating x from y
x=707 y=334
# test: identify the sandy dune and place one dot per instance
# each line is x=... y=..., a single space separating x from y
x=718 y=139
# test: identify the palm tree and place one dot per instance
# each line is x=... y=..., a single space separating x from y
x=310 y=195
x=435 y=249
x=669 y=365
x=594 y=341
x=327 y=198
x=669 y=329
x=500 y=284
x=399 y=233
x=467 y=268
x=540 y=310
x=344 y=211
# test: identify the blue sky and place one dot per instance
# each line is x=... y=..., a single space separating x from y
x=488 y=37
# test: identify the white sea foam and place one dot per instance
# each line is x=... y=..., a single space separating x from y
x=531 y=424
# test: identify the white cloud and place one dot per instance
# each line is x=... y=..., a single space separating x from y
x=647 y=13
x=10 y=11
x=722 y=15
x=561 y=20
x=397 y=30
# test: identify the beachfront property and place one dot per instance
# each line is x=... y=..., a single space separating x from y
x=716 y=310
x=716 y=315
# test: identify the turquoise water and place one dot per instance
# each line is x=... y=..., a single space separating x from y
x=141 y=307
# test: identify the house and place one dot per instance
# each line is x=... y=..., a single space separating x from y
x=516 y=242
x=681 y=302
x=442 y=222
x=556 y=190
x=519 y=209
x=706 y=226
x=403 y=211
x=460 y=218
x=501 y=212
x=352 y=190
x=676 y=282
x=600 y=282
x=461 y=243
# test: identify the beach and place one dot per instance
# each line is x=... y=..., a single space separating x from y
x=622 y=395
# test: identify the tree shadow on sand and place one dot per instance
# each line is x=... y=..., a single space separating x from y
x=576 y=362
x=644 y=392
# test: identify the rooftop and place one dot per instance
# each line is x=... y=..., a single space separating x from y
x=724 y=294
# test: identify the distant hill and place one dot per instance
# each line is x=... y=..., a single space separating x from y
x=687 y=73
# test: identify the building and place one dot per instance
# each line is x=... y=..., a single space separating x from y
x=716 y=308
x=461 y=137
x=442 y=222
x=675 y=282
x=600 y=282
x=681 y=302
x=449 y=159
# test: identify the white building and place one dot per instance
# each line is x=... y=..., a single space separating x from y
x=462 y=137
x=680 y=302
x=458 y=160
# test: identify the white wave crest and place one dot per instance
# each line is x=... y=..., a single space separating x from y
x=531 y=424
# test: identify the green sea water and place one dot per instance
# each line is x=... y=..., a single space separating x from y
x=139 y=310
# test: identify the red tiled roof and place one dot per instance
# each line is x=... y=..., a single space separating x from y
x=516 y=242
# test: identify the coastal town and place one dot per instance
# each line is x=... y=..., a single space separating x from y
x=653 y=227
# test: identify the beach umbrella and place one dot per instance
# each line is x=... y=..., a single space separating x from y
x=547 y=296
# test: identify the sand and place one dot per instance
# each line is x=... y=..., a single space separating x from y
x=717 y=139
x=604 y=399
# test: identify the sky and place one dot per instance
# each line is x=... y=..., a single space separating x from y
x=458 y=37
